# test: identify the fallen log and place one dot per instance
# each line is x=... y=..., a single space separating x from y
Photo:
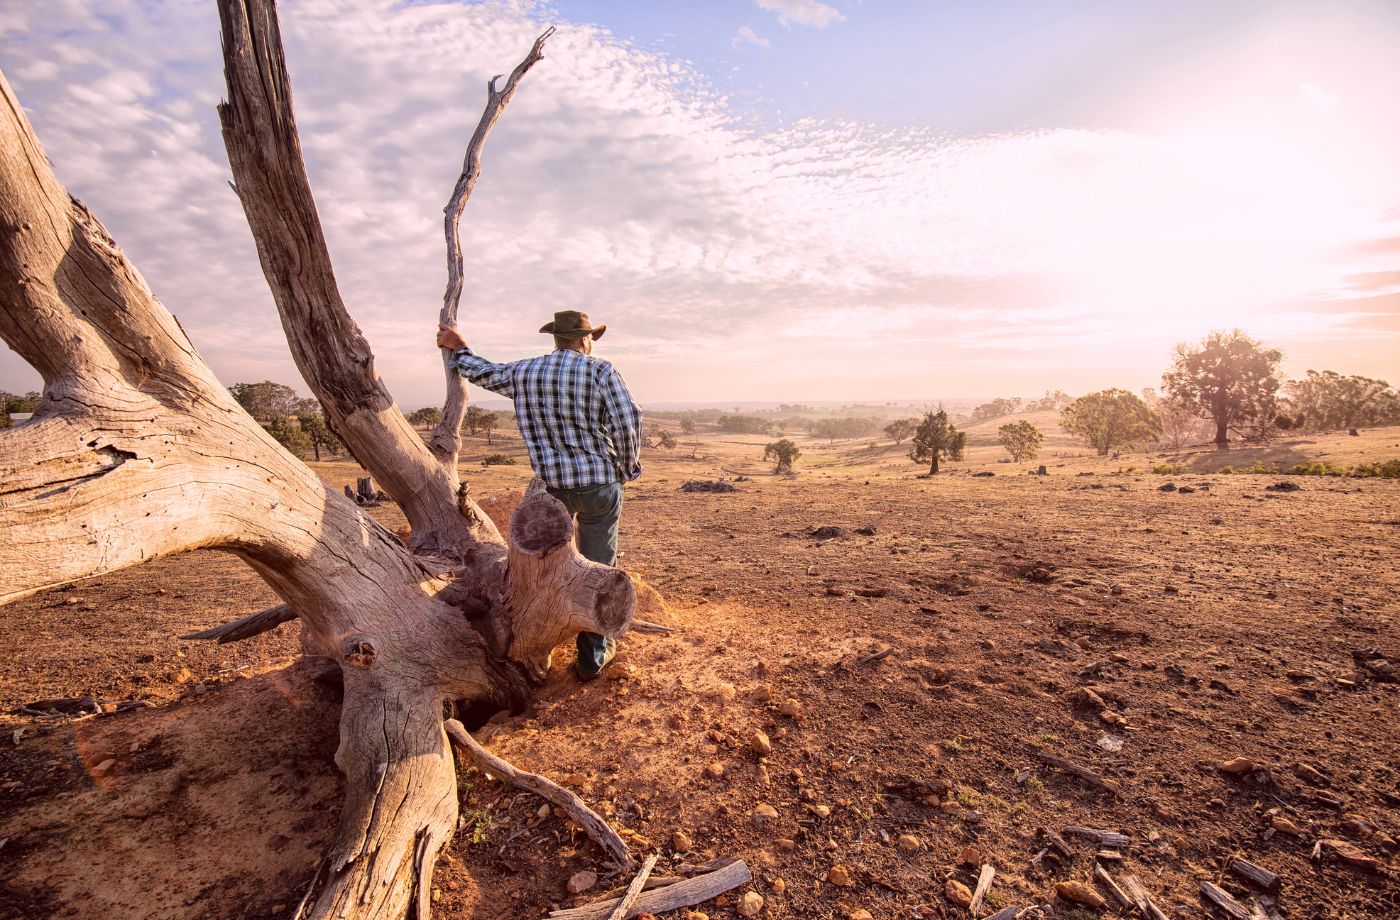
x=1255 y=874
x=1225 y=901
x=1084 y=773
x=246 y=627
x=1103 y=838
x=688 y=893
x=599 y=830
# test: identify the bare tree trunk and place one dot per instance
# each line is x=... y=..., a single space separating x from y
x=137 y=452
x=933 y=465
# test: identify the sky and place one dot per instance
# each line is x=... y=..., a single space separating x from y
x=791 y=200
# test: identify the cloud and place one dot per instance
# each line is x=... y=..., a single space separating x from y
x=731 y=259
x=1319 y=98
x=803 y=12
x=747 y=36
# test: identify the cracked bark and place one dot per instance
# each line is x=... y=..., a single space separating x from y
x=138 y=452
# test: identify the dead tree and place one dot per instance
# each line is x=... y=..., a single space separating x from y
x=138 y=452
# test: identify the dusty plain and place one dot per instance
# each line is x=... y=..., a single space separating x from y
x=1214 y=622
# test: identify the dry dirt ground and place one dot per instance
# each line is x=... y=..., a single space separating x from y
x=1229 y=621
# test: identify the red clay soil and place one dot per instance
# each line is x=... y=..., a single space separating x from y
x=1220 y=623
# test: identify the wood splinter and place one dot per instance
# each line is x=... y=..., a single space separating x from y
x=1084 y=773
x=984 y=882
x=599 y=830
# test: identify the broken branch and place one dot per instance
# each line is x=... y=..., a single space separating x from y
x=246 y=627
x=1084 y=773
x=598 y=829
x=634 y=890
x=690 y=892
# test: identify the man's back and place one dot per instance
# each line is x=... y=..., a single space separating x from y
x=580 y=424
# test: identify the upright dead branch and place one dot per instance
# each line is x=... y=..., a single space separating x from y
x=446 y=439
x=264 y=150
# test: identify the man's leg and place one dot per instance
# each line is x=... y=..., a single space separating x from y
x=598 y=510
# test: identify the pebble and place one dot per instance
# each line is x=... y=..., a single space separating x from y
x=1286 y=826
x=957 y=892
x=1237 y=765
x=840 y=876
x=970 y=856
x=681 y=842
x=760 y=744
x=751 y=904
x=821 y=811
x=779 y=886
x=763 y=814
x=908 y=843
x=582 y=881
x=860 y=913
x=103 y=768
x=791 y=708
x=696 y=915
x=714 y=770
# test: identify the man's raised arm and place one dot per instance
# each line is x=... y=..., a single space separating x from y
x=498 y=378
x=623 y=422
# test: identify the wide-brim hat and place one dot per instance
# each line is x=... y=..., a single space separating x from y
x=571 y=324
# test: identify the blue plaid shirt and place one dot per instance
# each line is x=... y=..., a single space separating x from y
x=580 y=424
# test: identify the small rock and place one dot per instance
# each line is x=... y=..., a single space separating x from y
x=970 y=856
x=957 y=892
x=1311 y=774
x=1080 y=893
x=908 y=843
x=1352 y=855
x=1084 y=642
x=582 y=881
x=726 y=691
x=751 y=904
x=791 y=708
x=860 y=913
x=103 y=768
x=1166 y=487
x=1237 y=765
x=760 y=744
x=778 y=886
x=1285 y=826
x=681 y=842
x=840 y=876
x=543 y=811
x=821 y=811
x=763 y=814
x=696 y=915
x=714 y=770
x=1089 y=699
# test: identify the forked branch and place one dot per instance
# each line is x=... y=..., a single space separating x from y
x=446 y=439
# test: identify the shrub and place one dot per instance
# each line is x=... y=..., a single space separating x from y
x=1169 y=469
x=498 y=460
x=1390 y=469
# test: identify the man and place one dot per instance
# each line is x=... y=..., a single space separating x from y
x=583 y=433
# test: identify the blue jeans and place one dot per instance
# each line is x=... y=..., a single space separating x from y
x=597 y=510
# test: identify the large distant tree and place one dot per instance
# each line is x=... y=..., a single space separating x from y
x=1228 y=378
x=1327 y=400
x=1109 y=419
x=784 y=452
x=487 y=423
x=935 y=438
x=266 y=400
x=1021 y=439
x=996 y=409
x=138 y=452
x=426 y=417
x=687 y=426
x=900 y=430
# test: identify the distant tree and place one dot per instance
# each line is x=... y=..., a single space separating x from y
x=1228 y=378
x=266 y=401
x=995 y=409
x=695 y=448
x=785 y=452
x=1051 y=401
x=1328 y=400
x=487 y=422
x=901 y=429
x=665 y=440
x=687 y=426
x=474 y=418
x=850 y=426
x=289 y=434
x=1109 y=419
x=5 y=399
x=1021 y=440
x=426 y=417
x=937 y=437
x=313 y=425
x=744 y=424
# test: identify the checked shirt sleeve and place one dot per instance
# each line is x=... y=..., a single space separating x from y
x=498 y=378
x=622 y=420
